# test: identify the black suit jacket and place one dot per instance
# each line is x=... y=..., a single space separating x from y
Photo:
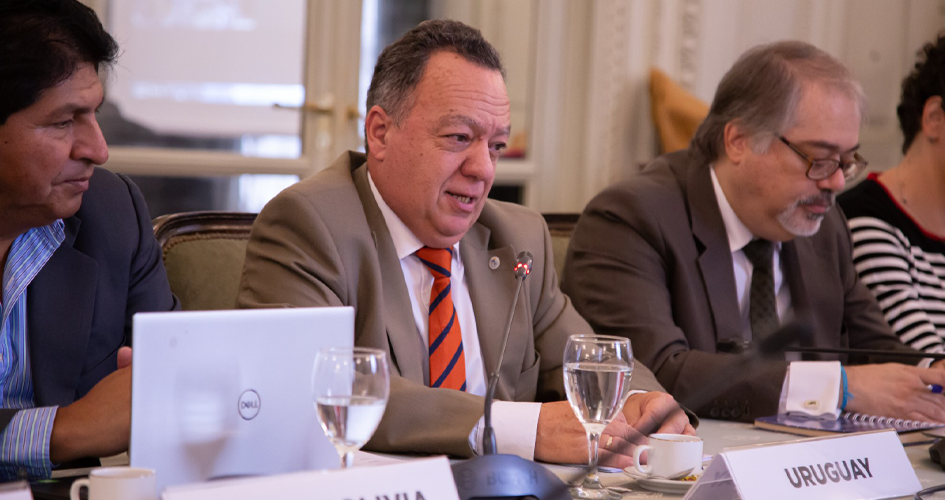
x=79 y=306
x=650 y=260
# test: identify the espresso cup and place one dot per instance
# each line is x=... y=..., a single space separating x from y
x=670 y=456
x=117 y=483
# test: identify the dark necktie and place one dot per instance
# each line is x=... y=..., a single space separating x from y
x=447 y=360
x=762 y=308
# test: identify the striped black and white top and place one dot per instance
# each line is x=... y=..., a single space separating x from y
x=902 y=264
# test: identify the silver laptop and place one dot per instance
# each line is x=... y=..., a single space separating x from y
x=220 y=394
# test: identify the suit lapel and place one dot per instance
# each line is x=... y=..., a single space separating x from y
x=60 y=301
x=490 y=291
x=715 y=257
x=406 y=346
x=797 y=276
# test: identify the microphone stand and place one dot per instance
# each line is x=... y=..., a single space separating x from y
x=754 y=357
x=494 y=475
x=868 y=352
x=523 y=266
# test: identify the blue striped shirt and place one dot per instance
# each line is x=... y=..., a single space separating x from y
x=24 y=444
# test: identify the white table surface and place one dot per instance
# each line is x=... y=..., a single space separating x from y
x=717 y=435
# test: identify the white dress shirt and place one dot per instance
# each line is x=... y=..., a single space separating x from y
x=811 y=387
x=515 y=424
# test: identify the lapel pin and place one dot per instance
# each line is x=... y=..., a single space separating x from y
x=494 y=263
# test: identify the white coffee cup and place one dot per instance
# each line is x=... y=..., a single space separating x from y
x=117 y=483
x=670 y=456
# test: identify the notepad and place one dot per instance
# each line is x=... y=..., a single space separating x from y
x=847 y=422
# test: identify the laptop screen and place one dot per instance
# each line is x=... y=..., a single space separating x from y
x=219 y=394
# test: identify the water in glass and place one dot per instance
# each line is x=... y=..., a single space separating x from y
x=350 y=387
x=349 y=422
x=596 y=391
x=597 y=371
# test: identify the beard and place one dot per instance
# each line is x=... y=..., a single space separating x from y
x=798 y=221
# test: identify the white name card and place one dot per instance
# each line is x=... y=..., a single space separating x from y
x=19 y=490
x=422 y=479
x=863 y=465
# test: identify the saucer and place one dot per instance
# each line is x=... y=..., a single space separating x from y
x=661 y=485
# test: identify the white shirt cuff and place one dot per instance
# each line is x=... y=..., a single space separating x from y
x=515 y=425
x=811 y=388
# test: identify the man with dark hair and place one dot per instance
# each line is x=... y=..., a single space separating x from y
x=78 y=254
x=708 y=250
x=406 y=233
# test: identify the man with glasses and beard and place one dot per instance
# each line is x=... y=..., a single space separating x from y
x=713 y=248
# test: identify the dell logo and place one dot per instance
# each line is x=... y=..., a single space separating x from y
x=249 y=404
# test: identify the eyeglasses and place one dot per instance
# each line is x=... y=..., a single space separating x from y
x=824 y=168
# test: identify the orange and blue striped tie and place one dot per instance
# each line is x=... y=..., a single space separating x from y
x=447 y=360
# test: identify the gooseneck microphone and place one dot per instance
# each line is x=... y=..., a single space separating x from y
x=523 y=266
x=748 y=358
x=499 y=476
x=868 y=352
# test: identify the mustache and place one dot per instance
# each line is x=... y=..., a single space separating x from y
x=825 y=198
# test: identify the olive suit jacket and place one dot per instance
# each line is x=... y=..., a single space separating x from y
x=650 y=260
x=324 y=242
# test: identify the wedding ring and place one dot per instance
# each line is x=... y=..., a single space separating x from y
x=610 y=441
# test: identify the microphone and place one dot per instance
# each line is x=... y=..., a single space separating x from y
x=773 y=346
x=791 y=333
x=523 y=266
x=868 y=352
x=493 y=475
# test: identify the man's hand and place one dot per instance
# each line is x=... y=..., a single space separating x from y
x=562 y=439
x=653 y=412
x=124 y=357
x=99 y=424
x=644 y=414
x=895 y=390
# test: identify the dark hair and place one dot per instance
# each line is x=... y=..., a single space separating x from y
x=926 y=80
x=401 y=64
x=763 y=90
x=42 y=43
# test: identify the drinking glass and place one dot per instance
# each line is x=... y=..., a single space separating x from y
x=597 y=370
x=350 y=387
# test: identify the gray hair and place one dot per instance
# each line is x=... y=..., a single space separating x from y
x=402 y=63
x=763 y=90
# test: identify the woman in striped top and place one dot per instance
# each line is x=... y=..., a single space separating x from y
x=897 y=218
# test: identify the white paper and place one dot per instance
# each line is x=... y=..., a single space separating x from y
x=365 y=459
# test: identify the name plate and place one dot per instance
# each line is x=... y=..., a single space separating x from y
x=422 y=479
x=19 y=490
x=863 y=465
